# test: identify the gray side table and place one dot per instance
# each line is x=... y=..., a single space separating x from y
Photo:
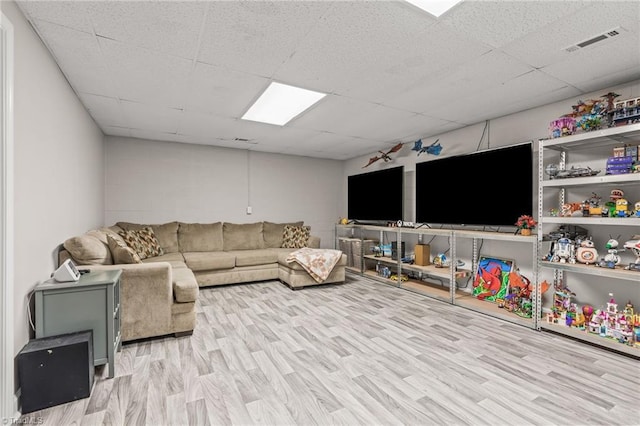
x=91 y=303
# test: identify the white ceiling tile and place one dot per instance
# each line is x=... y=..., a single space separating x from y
x=71 y=14
x=164 y=26
x=78 y=55
x=151 y=117
x=474 y=76
x=499 y=97
x=393 y=73
x=221 y=91
x=256 y=37
x=103 y=109
x=142 y=75
x=389 y=47
x=619 y=54
x=548 y=45
x=500 y=22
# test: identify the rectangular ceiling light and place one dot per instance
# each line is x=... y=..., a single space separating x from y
x=280 y=103
x=434 y=7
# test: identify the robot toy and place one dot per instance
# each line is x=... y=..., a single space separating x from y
x=612 y=258
x=634 y=246
x=563 y=251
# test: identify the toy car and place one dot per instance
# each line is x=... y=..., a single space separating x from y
x=403 y=277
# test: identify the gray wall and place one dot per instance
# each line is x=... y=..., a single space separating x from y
x=155 y=182
x=58 y=163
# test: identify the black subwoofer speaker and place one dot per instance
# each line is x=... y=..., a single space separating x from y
x=54 y=370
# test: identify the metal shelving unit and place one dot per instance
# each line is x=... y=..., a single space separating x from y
x=585 y=144
x=424 y=276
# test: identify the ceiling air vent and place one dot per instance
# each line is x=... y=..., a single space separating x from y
x=593 y=40
x=245 y=140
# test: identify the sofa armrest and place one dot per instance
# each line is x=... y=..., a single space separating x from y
x=314 y=242
x=146 y=296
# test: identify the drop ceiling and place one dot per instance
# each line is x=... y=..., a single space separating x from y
x=187 y=71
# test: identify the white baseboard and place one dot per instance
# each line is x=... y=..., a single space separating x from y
x=16 y=411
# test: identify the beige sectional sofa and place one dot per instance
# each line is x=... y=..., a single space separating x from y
x=158 y=295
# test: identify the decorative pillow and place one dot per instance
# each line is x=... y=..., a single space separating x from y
x=166 y=233
x=295 y=236
x=121 y=252
x=143 y=242
x=273 y=232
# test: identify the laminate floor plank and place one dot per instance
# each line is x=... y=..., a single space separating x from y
x=361 y=353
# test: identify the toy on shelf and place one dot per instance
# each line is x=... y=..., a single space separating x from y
x=612 y=258
x=519 y=300
x=586 y=252
x=563 y=310
x=591 y=206
x=636 y=209
x=555 y=172
x=622 y=208
x=634 y=246
x=491 y=280
x=563 y=251
x=594 y=114
x=626 y=111
x=614 y=324
x=563 y=126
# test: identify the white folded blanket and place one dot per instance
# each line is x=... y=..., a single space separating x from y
x=317 y=262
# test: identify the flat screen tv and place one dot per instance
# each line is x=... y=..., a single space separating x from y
x=491 y=187
x=376 y=196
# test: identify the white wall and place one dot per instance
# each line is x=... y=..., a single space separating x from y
x=59 y=165
x=155 y=182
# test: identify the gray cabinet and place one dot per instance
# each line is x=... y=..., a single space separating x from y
x=92 y=303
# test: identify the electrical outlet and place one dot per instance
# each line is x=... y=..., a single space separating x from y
x=249 y=210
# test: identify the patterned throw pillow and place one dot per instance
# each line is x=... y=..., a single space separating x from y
x=295 y=236
x=143 y=242
x=121 y=252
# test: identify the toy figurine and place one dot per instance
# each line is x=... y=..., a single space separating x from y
x=612 y=258
x=636 y=209
x=564 y=251
x=622 y=207
x=634 y=246
x=587 y=252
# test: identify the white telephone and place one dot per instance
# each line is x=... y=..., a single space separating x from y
x=66 y=272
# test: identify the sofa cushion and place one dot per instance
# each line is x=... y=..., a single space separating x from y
x=245 y=236
x=295 y=236
x=185 y=286
x=121 y=252
x=194 y=237
x=143 y=241
x=206 y=261
x=88 y=249
x=273 y=233
x=175 y=259
x=167 y=234
x=254 y=257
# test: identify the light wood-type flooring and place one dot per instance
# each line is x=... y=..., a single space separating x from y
x=361 y=353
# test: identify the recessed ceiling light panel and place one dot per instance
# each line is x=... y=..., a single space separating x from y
x=434 y=7
x=280 y=103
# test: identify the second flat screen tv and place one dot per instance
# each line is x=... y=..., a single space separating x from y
x=376 y=196
x=491 y=187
